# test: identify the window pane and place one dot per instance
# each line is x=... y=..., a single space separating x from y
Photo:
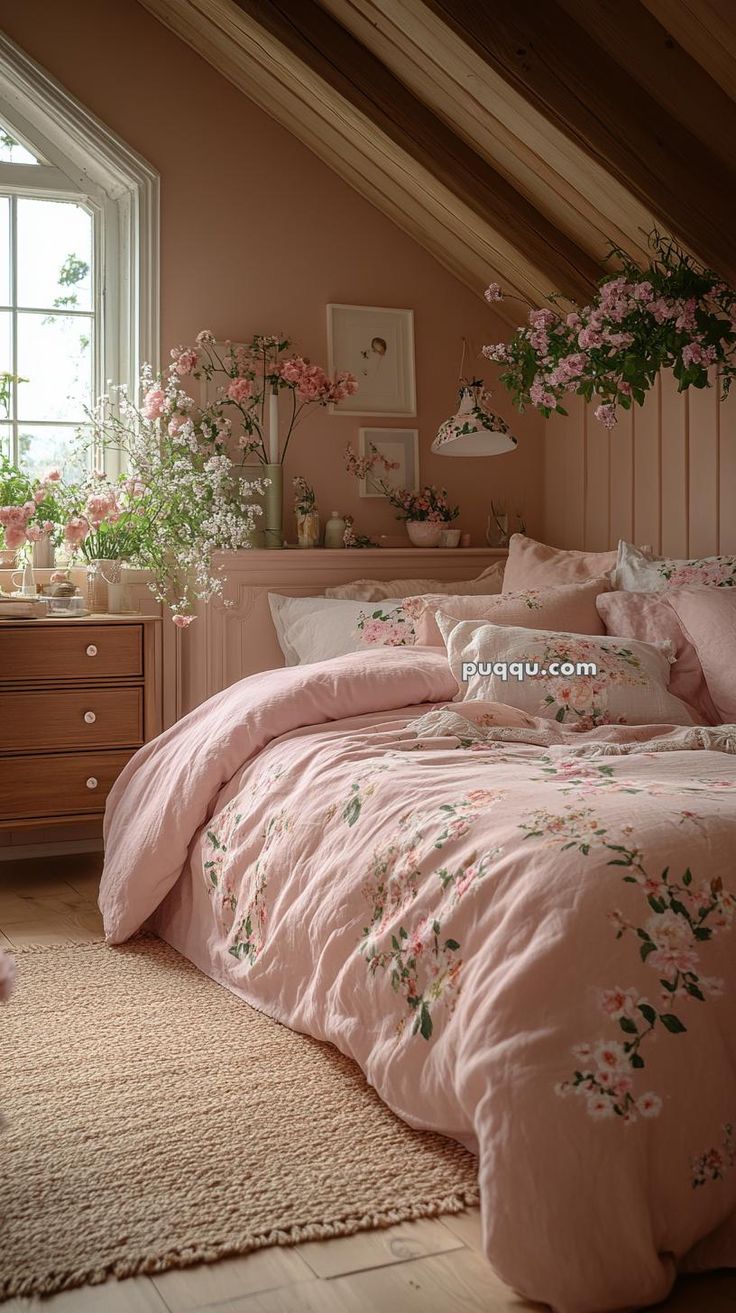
x=54 y=254
x=6 y=366
x=11 y=150
x=4 y=250
x=55 y=355
x=5 y=440
x=47 y=446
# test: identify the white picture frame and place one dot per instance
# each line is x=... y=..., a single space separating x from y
x=400 y=445
x=376 y=344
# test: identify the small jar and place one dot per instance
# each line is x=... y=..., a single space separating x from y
x=335 y=530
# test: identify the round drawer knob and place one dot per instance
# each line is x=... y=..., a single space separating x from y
x=91 y=782
x=90 y=717
x=91 y=650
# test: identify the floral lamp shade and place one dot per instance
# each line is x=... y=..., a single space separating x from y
x=475 y=430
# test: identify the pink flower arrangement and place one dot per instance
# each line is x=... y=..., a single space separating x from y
x=430 y=503
x=674 y=314
x=249 y=374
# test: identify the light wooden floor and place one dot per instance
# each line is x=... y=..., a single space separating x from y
x=433 y=1266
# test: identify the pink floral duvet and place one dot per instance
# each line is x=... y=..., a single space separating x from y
x=522 y=935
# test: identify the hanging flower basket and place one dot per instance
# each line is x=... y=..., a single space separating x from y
x=674 y=314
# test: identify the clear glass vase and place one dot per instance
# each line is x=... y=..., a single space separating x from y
x=308 y=528
x=100 y=573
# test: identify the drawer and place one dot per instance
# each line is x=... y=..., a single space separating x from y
x=71 y=718
x=54 y=652
x=61 y=785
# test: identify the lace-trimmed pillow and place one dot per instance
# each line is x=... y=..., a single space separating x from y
x=637 y=571
x=629 y=686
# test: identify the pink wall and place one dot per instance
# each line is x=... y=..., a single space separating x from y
x=258 y=235
x=665 y=476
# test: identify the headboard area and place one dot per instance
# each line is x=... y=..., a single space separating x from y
x=235 y=637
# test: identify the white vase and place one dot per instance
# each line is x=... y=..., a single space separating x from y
x=335 y=530
x=424 y=533
x=43 y=553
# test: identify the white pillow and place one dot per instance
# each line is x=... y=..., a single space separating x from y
x=629 y=687
x=375 y=590
x=317 y=628
x=639 y=573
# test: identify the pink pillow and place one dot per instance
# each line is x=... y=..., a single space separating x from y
x=533 y=565
x=708 y=618
x=570 y=608
x=649 y=618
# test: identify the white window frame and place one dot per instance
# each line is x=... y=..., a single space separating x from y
x=85 y=160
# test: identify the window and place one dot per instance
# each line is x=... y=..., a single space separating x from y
x=49 y=313
x=78 y=263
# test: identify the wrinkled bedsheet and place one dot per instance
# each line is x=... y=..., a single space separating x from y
x=522 y=935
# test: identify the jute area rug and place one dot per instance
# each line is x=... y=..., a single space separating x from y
x=153 y=1120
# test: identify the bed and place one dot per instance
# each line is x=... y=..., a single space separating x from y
x=522 y=933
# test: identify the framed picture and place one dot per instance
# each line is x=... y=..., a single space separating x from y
x=400 y=446
x=377 y=345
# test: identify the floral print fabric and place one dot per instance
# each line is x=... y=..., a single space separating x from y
x=462 y=917
x=637 y=572
x=562 y=921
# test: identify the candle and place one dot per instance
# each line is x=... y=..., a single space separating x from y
x=273 y=427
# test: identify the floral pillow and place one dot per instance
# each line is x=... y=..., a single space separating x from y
x=581 y=682
x=318 y=628
x=650 y=617
x=636 y=571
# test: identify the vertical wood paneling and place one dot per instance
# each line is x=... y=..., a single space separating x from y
x=674 y=468
x=703 y=416
x=597 y=502
x=647 y=457
x=621 y=488
x=727 y=471
x=666 y=475
x=565 y=475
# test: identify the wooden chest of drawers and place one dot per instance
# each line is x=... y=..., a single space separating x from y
x=77 y=698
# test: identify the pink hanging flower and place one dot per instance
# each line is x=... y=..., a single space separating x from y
x=694 y=353
x=493 y=293
x=51 y=476
x=182 y=621
x=606 y=414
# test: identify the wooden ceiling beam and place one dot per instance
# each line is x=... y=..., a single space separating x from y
x=650 y=54
x=707 y=30
x=558 y=67
x=321 y=43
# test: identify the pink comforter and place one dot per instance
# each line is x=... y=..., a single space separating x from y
x=525 y=946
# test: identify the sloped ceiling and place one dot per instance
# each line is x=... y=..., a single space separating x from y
x=514 y=139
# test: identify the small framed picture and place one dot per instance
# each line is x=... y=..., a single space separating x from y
x=400 y=447
x=377 y=345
